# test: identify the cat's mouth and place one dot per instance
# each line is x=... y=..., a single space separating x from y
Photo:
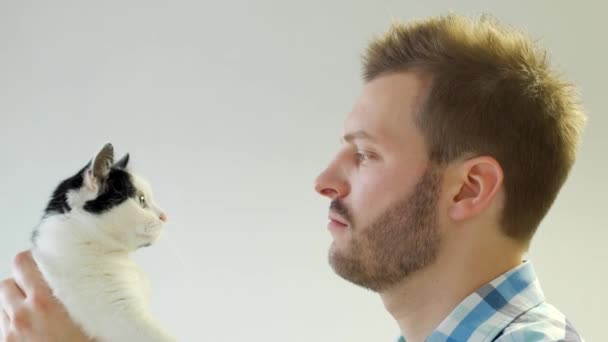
x=149 y=232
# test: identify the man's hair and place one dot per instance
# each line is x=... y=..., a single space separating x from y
x=493 y=93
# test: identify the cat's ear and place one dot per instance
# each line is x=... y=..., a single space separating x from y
x=122 y=163
x=103 y=162
x=97 y=170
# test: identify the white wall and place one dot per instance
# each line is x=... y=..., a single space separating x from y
x=230 y=109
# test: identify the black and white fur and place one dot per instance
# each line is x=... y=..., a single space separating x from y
x=93 y=221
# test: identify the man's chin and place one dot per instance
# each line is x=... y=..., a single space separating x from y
x=348 y=270
x=341 y=242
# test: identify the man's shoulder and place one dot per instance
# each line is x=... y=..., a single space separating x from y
x=541 y=323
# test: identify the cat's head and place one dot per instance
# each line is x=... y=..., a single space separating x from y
x=116 y=200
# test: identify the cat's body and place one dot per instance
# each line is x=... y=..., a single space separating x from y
x=82 y=245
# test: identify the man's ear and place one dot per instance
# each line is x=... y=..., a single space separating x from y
x=475 y=183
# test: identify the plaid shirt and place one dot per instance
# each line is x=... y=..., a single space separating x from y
x=511 y=308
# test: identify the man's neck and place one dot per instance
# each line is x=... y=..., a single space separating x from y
x=423 y=300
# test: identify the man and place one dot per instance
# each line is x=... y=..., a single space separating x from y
x=452 y=155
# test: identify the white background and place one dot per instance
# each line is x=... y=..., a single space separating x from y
x=230 y=109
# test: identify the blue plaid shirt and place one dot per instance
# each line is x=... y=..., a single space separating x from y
x=511 y=308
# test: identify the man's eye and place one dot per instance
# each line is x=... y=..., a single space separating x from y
x=142 y=201
x=362 y=156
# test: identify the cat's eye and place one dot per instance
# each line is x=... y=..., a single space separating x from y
x=142 y=201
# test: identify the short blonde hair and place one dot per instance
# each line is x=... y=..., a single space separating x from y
x=493 y=93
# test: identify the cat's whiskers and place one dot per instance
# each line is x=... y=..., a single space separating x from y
x=176 y=251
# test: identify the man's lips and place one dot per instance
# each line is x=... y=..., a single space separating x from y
x=336 y=219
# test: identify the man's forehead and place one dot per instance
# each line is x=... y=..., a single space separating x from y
x=387 y=105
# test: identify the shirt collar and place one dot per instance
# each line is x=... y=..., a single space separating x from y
x=486 y=312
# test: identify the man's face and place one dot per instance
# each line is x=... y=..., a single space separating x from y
x=384 y=191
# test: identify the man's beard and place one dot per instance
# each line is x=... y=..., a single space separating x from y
x=402 y=240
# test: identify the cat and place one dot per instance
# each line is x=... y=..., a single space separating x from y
x=91 y=224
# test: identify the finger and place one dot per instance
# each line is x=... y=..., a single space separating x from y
x=28 y=276
x=11 y=296
x=5 y=325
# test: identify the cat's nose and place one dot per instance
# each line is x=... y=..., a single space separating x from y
x=163 y=217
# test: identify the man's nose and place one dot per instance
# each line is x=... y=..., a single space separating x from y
x=331 y=183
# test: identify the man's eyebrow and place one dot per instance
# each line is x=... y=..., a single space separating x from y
x=357 y=135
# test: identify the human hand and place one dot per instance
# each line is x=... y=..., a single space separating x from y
x=30 y=312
